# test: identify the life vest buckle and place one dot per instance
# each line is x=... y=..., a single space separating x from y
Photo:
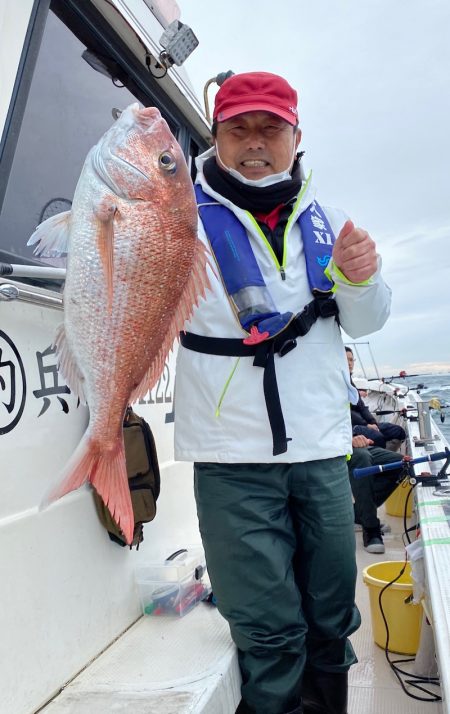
x=327 y=307
x=303 y=321
x=287 y=346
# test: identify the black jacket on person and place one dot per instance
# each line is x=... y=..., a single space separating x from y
x=361 y=415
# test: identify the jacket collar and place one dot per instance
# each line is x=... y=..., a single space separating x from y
x=308 y=189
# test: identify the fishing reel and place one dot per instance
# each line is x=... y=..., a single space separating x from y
x=407 y=470
x=428 y=479
x=440 y=406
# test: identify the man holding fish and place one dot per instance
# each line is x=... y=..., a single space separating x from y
x=262 y=388
x=262 y=399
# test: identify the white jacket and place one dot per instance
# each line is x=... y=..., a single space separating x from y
x=313 y=379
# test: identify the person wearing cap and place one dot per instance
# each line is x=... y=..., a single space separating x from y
x=365 y=424
x=262 y=393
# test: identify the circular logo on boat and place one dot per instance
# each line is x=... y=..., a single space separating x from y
x=13 y=387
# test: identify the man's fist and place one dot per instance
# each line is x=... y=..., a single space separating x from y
x=354 y=253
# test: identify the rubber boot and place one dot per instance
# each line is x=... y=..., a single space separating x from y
x=325 y=693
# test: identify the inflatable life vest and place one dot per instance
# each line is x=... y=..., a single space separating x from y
x=249 y=297
x=271 y=332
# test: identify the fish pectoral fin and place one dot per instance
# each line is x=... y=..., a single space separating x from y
x=51 y=237
x=105 y=213
x=68 y=366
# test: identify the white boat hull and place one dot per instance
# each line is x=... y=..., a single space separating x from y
x=67 y=590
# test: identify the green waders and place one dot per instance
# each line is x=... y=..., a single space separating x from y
x=280 y=549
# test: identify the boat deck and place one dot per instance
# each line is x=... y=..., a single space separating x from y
x=374 y=688
x=136 y=673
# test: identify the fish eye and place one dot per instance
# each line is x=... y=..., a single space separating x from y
x=167 y=162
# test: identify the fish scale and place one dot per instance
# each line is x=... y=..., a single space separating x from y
x=136 y=269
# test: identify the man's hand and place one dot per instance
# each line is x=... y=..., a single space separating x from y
x=361 y=442
x=373 y=426
x=354 y=253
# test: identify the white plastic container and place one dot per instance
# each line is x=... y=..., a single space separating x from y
x=174 y=586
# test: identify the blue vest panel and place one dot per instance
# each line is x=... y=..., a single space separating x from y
x=240 y=271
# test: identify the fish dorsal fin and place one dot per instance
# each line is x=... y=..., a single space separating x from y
x=195 y=287
x=67 y=365
x=51 y=237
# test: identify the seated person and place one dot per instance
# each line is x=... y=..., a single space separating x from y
x=370 y=492
x=363 y=422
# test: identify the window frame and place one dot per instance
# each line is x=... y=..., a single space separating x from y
x=84 y=21
x=19 y=97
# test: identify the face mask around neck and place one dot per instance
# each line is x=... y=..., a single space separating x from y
x=258 y=183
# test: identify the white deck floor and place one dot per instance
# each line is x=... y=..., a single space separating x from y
x=137 y=672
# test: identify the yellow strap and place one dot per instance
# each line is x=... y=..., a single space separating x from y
x=224 y=390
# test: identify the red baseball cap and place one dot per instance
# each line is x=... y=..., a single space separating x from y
x=256 y=91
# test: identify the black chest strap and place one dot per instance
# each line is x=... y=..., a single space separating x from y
x=263 y=354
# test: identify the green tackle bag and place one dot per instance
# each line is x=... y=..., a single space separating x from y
x=143 y=479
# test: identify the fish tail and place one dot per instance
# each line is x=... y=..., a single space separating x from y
x=107 y=472
x=110 y=480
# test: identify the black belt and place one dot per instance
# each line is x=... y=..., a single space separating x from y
x=263 y=354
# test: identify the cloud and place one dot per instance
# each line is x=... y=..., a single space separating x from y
x=417 y=267
x=430 y=367
x=432 y=237
x=374 y=101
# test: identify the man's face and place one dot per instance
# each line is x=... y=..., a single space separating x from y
x=351 y=361
x=257 y=144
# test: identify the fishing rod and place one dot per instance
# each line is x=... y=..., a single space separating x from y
x=403 y=412
x=406 y=464
x=433 y=403
x=387 y=380
x=401 y=375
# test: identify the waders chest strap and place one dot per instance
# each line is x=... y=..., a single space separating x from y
x=263 y=353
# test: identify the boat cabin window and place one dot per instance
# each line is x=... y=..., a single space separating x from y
x=76 y=89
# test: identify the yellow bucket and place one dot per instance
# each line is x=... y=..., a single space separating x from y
x=404 y=619
x=395 y=504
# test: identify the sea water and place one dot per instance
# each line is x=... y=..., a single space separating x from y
x=437 y=386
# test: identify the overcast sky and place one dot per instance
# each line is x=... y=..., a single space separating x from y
x=373 y=78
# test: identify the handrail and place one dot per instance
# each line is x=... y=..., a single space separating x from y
x=36 y=296
x=37 y=272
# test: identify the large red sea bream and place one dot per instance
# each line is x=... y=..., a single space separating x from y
x=135 y=270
